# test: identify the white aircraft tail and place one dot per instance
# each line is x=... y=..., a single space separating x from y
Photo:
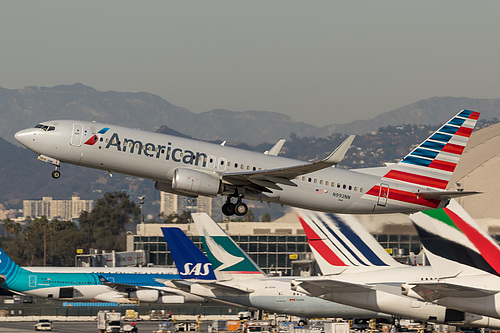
x=227 y=258
x=455 y=243
x=432 y=163
x=341 y=241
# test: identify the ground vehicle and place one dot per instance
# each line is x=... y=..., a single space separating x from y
x=43 y=325
x=108 y=322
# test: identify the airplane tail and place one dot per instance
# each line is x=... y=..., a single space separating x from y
x=432 y=163
x=454 y=242
x=341 y=241
x=9 y=270
x=190 y=261
x=227 y=258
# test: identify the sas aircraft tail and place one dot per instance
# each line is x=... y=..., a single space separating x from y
x=340 y=241
x=227 y=258
x=455 y=243
x=190 y=261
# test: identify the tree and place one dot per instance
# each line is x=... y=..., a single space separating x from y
x=107 y=223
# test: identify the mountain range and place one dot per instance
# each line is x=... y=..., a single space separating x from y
x=21 y=108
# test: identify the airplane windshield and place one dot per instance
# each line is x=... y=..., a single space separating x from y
x=45 y=127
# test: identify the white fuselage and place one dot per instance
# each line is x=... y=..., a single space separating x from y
x=157 y=156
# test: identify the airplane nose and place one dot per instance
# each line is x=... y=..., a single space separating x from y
x=24 y=137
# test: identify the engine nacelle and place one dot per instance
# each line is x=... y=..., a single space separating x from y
x=195 y=182
x=148 y=296
x=167 y=187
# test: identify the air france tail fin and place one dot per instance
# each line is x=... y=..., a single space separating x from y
x=227 y=258
x=190 y=261
x=433 y=162
x=9 y=270
x=455 y=243
x=341 y=241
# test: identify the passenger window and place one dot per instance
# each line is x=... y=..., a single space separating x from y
x=309 y=180
x=333 y=184
x=303 y=178
x=321 y=182
x=350 y=187
x=248 y=167
x=327 y=183
x=235 y=165
x=315 y=181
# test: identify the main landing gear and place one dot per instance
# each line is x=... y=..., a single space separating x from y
x=239 y=208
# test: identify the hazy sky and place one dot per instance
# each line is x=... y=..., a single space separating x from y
x=320 y=62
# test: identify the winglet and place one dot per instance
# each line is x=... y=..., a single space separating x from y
x=338 y=154
x=275 y=150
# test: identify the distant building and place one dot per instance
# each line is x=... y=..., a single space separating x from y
x=61 y=209
x=176 y=204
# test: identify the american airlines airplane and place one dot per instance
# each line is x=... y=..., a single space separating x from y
x=193 y=168
x=465 y=258
x=96 y=283
x=230 y=276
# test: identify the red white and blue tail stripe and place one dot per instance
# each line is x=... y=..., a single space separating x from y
x=432 y=163
x=340 y=240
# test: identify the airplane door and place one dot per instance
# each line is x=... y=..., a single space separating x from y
x=32 y=281
x=383 y=195
x=76 y=135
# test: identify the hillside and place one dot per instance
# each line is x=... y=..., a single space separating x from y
x=23 y=108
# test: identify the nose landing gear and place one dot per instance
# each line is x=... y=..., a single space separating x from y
x=239 y=208
x=56 y=173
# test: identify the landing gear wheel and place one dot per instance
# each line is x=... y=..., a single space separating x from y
x=241 y=209
x=56 y=174
x=228 y=209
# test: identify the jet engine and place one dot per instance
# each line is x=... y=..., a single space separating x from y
x=147 y=296
x=195 y=182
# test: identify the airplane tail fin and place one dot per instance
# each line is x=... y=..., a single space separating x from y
x=433 y=162
x=454 y=242
x=190 y=261
x=9 y=270
x=227 y=258
x=341 y=241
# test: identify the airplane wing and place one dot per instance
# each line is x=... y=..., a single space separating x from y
x=263 y=180
x=214 y=285
x=431 y=291
x=321 y=286
x=217 y=287
x=121 y=287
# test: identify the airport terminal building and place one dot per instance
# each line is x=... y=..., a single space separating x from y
x=279 y=248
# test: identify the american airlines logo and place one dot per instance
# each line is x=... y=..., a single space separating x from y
x=148 y=149
x=199 y=269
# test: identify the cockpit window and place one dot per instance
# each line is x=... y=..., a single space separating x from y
x=45 y=127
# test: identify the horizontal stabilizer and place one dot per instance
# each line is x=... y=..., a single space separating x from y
x=217 y=287
x=321 y=286
x=443 y=195
x=432 y=291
